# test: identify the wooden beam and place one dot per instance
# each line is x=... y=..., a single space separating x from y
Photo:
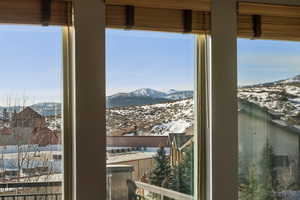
x=247 y=8
x=201 y=5
x=156 y=19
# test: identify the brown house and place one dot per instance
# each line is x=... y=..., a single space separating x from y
x=6 y=131
x=44 y=136
x=28 y=118
x=178 y=143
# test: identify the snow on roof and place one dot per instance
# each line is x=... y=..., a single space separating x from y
x=119 y=158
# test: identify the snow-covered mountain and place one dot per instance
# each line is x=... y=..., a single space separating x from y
x=147 y=92
x=295 y=79
x=177 y=95
x=281 y=98
x=155 y=119
x=145 y=96
x=292 y=80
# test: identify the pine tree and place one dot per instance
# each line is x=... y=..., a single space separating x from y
x=182 y=176
x=162 y=169
x=250 y=190
x=268 y=173
x=188 y=171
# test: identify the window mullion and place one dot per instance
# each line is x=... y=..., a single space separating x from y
x=223 y=113
x=90 y=102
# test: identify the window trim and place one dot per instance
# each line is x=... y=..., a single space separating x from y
x=201 y=150
x=224 y=64
x=223 y=89
x=68 y=137
x=89 y=164
x=223 y=102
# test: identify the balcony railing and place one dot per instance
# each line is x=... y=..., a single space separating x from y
x=145 y=188
x=17 y=191
x=21 y=191
x=51 y=196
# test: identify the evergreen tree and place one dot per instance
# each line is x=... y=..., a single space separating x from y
x=176 y=179
x=268 y=173
x=250 y=190
x=162 y=169
x=188 y=172
x=262 y=186
x=182 y=176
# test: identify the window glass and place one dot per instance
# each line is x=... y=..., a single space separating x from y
x=150 y=115
x=30 y=112
x=269 y=119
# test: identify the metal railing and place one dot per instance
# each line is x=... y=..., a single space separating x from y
x=30 y=184
x=23 y=194
x=161 y=192
x=50 y=196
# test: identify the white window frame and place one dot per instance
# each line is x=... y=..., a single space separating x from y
x=88 y=101
x=223 y=102
x=223 y=93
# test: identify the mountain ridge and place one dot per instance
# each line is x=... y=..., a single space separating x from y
x=145 y=96
x=291 y=80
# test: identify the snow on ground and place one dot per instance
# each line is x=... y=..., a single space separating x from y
x=155 y=119
x=29 y=148
x=292 y=90
x=54 y=124
x=164 y=129
x=283 y=99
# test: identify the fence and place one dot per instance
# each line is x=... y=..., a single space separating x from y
x=20 y=192
x=161 y=192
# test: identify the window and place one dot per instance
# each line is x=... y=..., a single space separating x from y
x=151 y=131
x=31 y=165
x=268 y=119
x=281 y=161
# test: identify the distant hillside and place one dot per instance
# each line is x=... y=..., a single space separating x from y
x=290 y=81
x=123 y=101
x=45 y=109
x=146 y=96
x=155 y=119
x=281 y=98
x=178 y=95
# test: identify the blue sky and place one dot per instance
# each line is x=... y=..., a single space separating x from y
x=31 y=62
x=138 y=59
x=265 y=60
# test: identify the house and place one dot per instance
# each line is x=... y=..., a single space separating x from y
x=257 y=127
x=43 y=136
x=142 y=162
x=28 y=118
x=5 y=131
x=179 y=142
x=28 y=127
